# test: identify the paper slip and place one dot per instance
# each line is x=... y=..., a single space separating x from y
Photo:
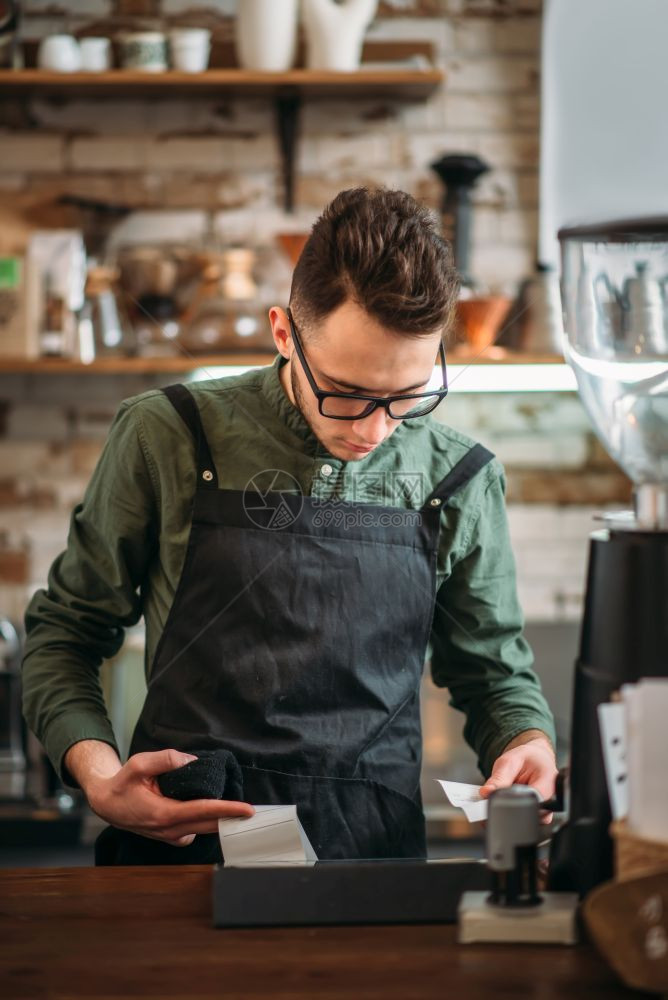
x=466 y=797
x=273 y=836
x=646 y=705
x=612 y=724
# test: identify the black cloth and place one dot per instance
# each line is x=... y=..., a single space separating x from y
x=297 y=641
x=214 y=775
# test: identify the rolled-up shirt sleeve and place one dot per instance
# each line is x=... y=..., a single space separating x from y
x=93 y=594
x=478 y=650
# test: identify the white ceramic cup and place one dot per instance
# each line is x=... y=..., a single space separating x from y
x=95 y=54
x=60 y=53
x=189 y=49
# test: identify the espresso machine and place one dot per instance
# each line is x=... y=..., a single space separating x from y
x=614 y=290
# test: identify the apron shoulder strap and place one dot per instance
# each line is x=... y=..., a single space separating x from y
x=184 y=403
x=465 y=469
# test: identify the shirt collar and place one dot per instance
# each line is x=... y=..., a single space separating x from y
x=279 y=402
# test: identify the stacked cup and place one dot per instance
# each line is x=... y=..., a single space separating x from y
x=189 y=49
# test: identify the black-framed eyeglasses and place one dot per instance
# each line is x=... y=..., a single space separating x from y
x=352 y=406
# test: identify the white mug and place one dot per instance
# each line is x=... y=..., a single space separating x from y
x=95 y=54
x=189 y=49
x=60 y=53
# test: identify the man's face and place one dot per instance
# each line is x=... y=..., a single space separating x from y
x=352 y=352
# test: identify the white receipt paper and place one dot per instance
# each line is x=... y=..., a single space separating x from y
x=273 y=836
x=612 y=724
x=466 y=797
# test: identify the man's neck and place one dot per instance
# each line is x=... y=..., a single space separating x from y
x=284 y=375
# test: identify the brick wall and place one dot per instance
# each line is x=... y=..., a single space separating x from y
x=220 y=155
x=218 y=159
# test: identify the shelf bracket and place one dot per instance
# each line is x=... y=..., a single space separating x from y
x=288 y=106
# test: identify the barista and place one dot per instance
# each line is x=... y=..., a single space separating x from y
x=296 y=538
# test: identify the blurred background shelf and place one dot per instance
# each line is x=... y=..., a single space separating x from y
x=406 y=84
x=122 y=366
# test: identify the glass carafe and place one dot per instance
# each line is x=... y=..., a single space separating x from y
x=227 y=315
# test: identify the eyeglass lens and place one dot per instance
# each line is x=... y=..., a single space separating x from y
x=399 y=409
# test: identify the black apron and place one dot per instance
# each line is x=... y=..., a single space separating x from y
x=298 y=643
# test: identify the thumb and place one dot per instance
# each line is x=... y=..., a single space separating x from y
x=158 y=761
x=503 y=775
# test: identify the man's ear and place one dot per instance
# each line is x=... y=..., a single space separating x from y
x=280 y=329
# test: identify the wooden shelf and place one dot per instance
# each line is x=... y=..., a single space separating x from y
x=315 y=84
x=151 y=366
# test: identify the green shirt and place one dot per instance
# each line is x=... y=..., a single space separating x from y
x=128 y=537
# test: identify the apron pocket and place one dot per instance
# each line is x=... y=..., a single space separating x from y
x=344 y=818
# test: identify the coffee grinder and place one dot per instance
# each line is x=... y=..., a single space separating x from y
x=614 y=294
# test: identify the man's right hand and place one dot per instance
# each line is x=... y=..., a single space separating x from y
x=128 y=797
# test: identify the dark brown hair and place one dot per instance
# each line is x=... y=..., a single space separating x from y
x=382 y=249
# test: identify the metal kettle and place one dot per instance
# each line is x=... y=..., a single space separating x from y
x=638 y=312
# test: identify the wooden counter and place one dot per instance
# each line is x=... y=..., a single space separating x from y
x=146 y=932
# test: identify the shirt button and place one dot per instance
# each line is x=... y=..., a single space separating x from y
x=326 y=469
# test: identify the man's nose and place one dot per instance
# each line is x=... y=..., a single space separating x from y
x=373 y=429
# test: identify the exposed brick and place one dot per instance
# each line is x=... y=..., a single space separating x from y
x=137 y=8
x=598 y=457
x=518 y=226
x=346 y=117
x=507 y=188
x=526 y=111
x=84 y=456
x=14 y=565
x=13 y=600
x=563 y=487
x=107 y=153
x=348 y=152
x=89 y=8
x=509 y=149
x=473 y=112
x=31 y=152
x=502 y=267
x=12 y=182
x=561 y=451
x=258 y=152
x=15 y=491
x=29 y=422
x=540 y=414
x=22 y=458
x=518 y=35
x=412 y=8
x=127 y=189
x=318 y=189
x=201 y=154
x=492 y=74
x=493 y=8
x=81 y=117
x=511 y=35
x=172 y=7
x=226 y=191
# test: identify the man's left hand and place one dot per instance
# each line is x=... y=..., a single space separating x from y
x=527 y=760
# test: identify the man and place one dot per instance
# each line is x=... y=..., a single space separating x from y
x=295 y=538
